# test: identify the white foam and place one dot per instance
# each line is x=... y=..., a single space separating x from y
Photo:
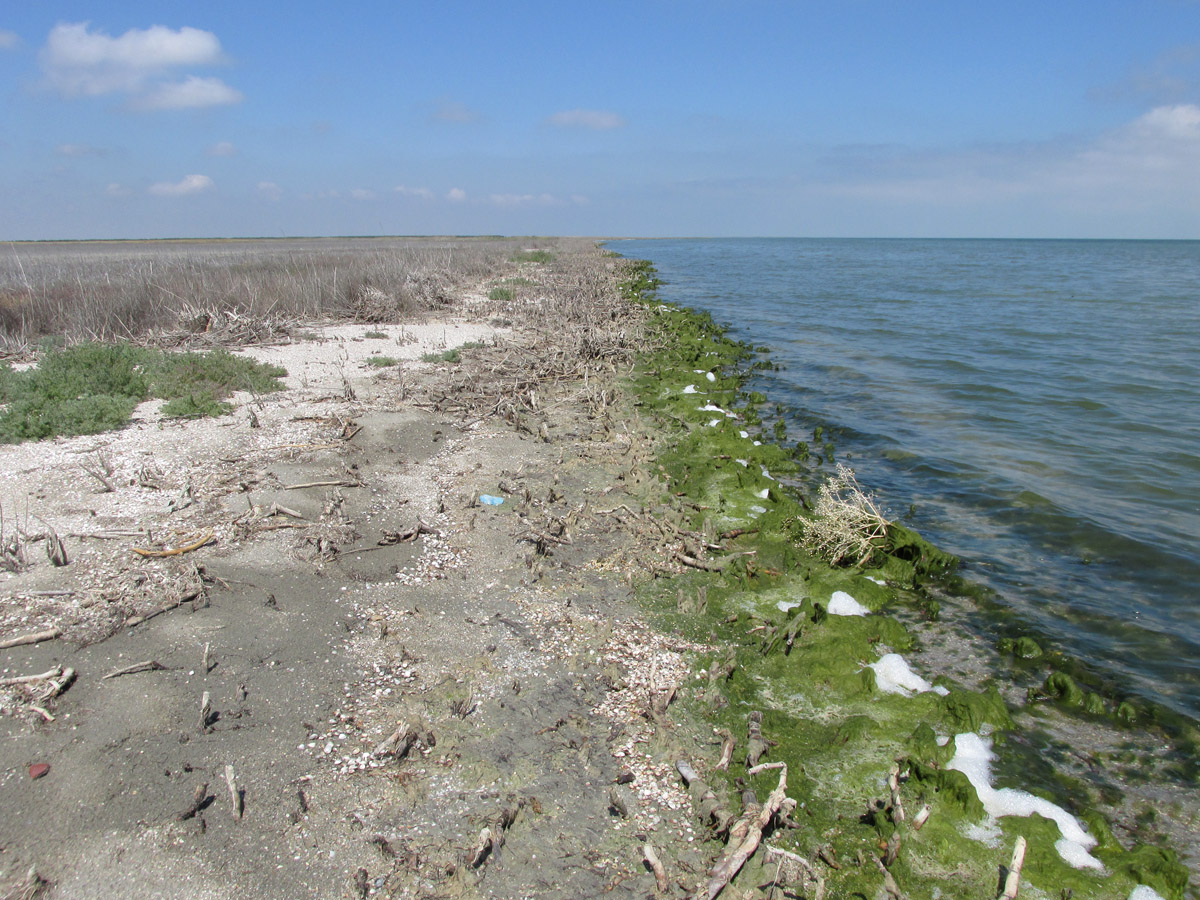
x=758 y=509
x=690 y=389
x=745 y=462
x=711 y=377
x=758 y=443
x=764 y=493
x=1142 y=892
x=787 y=605
x=766 y=474
x=744 y=434
x=712 y=407
x=876 y=580
x=973 y=757
x=893 y=676
x=713 y=423
x=842 y=604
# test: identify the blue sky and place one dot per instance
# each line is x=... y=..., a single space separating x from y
x=660 y=117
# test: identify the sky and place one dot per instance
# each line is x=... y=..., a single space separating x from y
x=839 y=118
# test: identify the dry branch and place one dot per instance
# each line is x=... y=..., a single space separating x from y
x=148 y=665
x=748 y=832
x=48 y=635
x=175 y=551
x=235 y=795
x=656 y=866
x=1012 y=882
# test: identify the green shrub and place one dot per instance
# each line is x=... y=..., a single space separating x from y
x=533 y=256
x=501 y=294
x=90 y=388
x=382 y=362
x=450 y=356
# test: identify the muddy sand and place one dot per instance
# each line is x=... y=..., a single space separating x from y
x=365 y=681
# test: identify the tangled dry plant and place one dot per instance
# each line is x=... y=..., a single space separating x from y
x=847 y=525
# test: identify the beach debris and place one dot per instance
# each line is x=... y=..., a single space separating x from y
x=655 y=864
x=31 y=887
x=1012 y=881
x=746 y=833
x=199 y=801
x=710 y=809
x=175 y=551
x=236 y=796
x=39 y=770
x=847 y=525
x=36 y=638
x=205 y=712
x=490 y=500
x=148 y=665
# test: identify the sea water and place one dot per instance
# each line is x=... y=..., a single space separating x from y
x=1031 y=406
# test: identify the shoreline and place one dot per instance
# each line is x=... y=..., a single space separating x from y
x=542 y=686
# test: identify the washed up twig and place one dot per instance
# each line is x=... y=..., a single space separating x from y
x=717 y=565
x=235 y=796
x=656 y=866
x=748 y=832
x=36 y=638
x=29 y=679
x=148 y=665
x=199 y=797
x=174 y=604
x=1012 y=882
x=340 y=482
x=398 y=743
x=174 y=551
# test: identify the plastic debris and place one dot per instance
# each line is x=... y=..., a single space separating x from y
x=489 y=500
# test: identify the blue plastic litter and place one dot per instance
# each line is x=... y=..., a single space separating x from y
x=490 y=500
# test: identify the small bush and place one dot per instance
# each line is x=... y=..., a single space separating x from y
x=382 y=362
x=533 y=256
x=847 y=525
x=90 y=388
x=375 y=335
x=450 y=356
x=500 y=294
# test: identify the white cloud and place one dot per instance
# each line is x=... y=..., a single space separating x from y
x=423 y=193
x=269 y=190
x=190 y=184
x=515 y=200
x=593 y=119
x=456 y=195
x=455 y=112
x=8 y=39
x=362 y=194
x=222 y=148
x=78 y=150
x=116 y=189
x=192 y=93
x=81 y=62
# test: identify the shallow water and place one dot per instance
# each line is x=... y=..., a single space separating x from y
x=1032 y=406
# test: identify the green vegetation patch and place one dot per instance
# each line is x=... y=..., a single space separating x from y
x=382 y=362
x=780 y=651
x=533 y=256
x=90 y=388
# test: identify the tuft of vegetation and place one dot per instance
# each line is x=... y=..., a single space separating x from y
x=500 y=294
x=92 y=387
x=847 y=525
x=450 y=356
x=533 y=256
x=375 y=335
x=382 y=362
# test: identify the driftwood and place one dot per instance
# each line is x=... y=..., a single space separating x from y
x=174 y=551
x=174 y=604
x=48 y=635
x=756 y=746
x=1012 y=881
x=889 y=881
x=709 y=807
x=398 y=743
x=235 y=795
x=338 y=482
x=656 y=866
x=199 y=798
x=921 y=817
x=205 y=711
x=746 y=834
x=491 y=837
x=727 y=745
x=793 y=866
x=43 y=686
x=148 y=665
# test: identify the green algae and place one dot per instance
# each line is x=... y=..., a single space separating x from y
x=808 y=671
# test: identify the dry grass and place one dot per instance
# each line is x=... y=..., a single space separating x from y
x=179 y=292
x=848 y=525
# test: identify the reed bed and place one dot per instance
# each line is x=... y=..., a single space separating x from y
x=189 y=292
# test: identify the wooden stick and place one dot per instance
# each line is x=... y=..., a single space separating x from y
x=26 y=679
x=198 y=798
x=922 y=816
x=148 y=665
x=235 y=796
x=48 y=635
x=656 y=866
x=341 y=482
x=1012 y=883
x=894 y=786
x=726 y=749
x=752 y=824
x=205 y=711
x=204 y=659
x=176 y=551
